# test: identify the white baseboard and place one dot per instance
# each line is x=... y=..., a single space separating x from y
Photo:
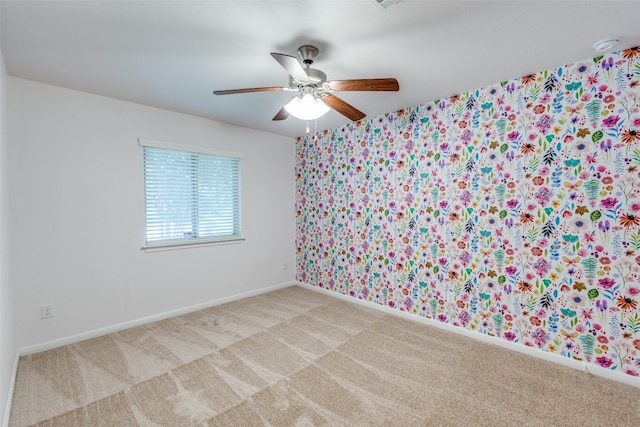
x=149 y=319
x=588 y=368
x=12 y=382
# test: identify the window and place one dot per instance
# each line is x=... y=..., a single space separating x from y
x=191 y=195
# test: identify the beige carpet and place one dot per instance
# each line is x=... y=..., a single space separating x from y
x=295 y=357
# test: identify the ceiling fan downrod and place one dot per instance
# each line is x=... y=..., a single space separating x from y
x=307 y=53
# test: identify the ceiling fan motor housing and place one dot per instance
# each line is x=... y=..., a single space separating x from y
x=316 y=77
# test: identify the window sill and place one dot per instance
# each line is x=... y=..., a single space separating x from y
x=170 y=246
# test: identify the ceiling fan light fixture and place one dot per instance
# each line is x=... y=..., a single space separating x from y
x=306 y=107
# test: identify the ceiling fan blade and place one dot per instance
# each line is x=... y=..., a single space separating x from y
x=252 y=89
x=387 y=84
x=291 y=64
x=347 y=110
x=281 y=115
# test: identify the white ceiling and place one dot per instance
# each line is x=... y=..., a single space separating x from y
x=173 y=54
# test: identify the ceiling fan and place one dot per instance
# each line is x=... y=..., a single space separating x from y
x=315 y=93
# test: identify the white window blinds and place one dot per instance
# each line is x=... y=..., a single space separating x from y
x=190 y=197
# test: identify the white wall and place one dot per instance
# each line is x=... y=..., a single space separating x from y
x=78 y=214
x=7 y=341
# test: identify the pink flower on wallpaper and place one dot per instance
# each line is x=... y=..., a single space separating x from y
x=610 y=121
x=606 y=283
x=604 y=361
x=609 y=203
x=509 y=336
x=513 y=136
x=513 y=203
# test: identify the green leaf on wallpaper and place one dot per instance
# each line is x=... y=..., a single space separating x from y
x=436 y=213
x=636 y=156
x=504 y=83
x=595 y=215
x=484 y=296
x=469 y=210
x=593 y=293
x=434 y=250
x=469 y=271
x=572 y=163
x=633 y=322
x=436 y=157
x=423 y=284
x=546 y=282
x=598 y=59
x=485 y=233
x=503 y=214
x=497 y=321
x=589 y=265
x=424 y=230
x=486 y=169
x=548 y=211
x=504 y=148
x=500 y=190
x=592 y=188
x=386 y=162
x=501 y=279
x=597 y=136
x=386 y=261
x=470 y=148
x=570 y=238
x=568 y=312
x=634 y=240
x=501 y=125
x=436 y=269
x=588 y=342
x=549 y=138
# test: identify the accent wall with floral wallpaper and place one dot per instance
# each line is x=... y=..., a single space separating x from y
x=511 y=211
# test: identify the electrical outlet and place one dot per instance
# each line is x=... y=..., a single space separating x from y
x=46 y=311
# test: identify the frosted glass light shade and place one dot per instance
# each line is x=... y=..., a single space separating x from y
x=306 y=107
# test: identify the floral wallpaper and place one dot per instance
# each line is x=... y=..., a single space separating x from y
x=512 y=211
